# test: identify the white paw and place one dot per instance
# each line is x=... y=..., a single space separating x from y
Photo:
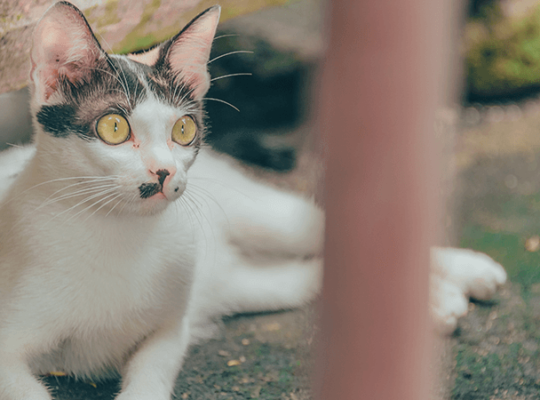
x=476 y=274
x=458 y=274
x=448 y=303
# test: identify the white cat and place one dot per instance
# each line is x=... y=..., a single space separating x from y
x=109 y=260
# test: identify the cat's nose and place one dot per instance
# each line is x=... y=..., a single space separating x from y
x=164 y=176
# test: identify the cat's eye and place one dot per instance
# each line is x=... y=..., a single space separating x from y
x=184 y=131
x=113 y=129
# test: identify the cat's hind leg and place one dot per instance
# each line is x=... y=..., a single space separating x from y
x=279 y=224
x=241 y=285
x=289 y=284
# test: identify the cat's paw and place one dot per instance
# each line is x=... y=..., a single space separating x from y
x=476 y=274
x=447 y=304
x=458 y=274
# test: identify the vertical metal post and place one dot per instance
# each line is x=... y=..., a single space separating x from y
x=382 y=81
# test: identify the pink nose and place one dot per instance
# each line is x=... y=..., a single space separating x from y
x=164 y=176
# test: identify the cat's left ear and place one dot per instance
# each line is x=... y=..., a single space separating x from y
x=185 y=56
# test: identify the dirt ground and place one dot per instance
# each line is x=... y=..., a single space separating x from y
x=495 y=349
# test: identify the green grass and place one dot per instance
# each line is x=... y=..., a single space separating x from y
x=510 y=368
x=508 y=248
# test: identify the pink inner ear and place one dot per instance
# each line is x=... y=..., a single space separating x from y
x=62 y=45
x=189 y=54
x=148 y=57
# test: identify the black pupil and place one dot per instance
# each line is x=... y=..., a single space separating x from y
x=115 y=126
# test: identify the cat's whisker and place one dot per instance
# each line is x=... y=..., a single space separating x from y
x=217 y=182
x=121 y=69
x=117 y=77
x=194 y=189
x=111 y=177
x=91 y=197
x=229 y=54
x=75 y=194
x=118 y=202
x=99 y=182
x=188 y=93
x=226 y=35
x=115 y=197
x=190 y=196
x=123 y=84
x=231 y=75
x=181 y=201
x=127 y=201
x=99 y=200
x=189 y=202
x=193 y=209
x=221 y=101
x=190 y=214
x=126 y=87
x=176 y=96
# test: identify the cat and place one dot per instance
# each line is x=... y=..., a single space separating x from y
x=107 y=260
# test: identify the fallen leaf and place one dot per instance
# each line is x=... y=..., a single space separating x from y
x=233 y=363
x=275 y=326
x=532 y=244
x=242 y=359
x=245 y=342
x=255 y=393
x=57 y=373
x=224 y=353
x=92 y=384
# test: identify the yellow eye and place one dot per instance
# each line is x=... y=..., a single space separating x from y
x=184 y=131
x=113 y=129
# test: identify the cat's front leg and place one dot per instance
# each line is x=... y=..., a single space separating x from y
x=151 y=372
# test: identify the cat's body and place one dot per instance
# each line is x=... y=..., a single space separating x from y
x=94 y=290
x=116 y=252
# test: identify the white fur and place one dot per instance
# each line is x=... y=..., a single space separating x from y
x=456 y=275
x=112 y=285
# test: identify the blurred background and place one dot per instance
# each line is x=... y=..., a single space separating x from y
x=491 y=129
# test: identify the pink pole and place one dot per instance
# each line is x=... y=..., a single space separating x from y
x=382 y=82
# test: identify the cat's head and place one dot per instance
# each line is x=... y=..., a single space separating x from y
x=136 y=121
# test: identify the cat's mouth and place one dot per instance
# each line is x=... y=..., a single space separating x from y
x=147 y=190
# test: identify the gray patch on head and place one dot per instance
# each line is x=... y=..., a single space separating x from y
x=111 y=87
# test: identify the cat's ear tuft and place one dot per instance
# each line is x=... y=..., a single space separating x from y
x=63 y=47
x=188 y=52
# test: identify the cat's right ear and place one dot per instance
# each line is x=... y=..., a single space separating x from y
x=63 y=47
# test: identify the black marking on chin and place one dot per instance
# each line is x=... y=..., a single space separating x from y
x=60 y=120
x=149 y=189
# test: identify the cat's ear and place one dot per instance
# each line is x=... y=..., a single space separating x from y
x=187 y=54
x=63 y=47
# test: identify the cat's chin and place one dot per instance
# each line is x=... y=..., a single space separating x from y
x=152 y=206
